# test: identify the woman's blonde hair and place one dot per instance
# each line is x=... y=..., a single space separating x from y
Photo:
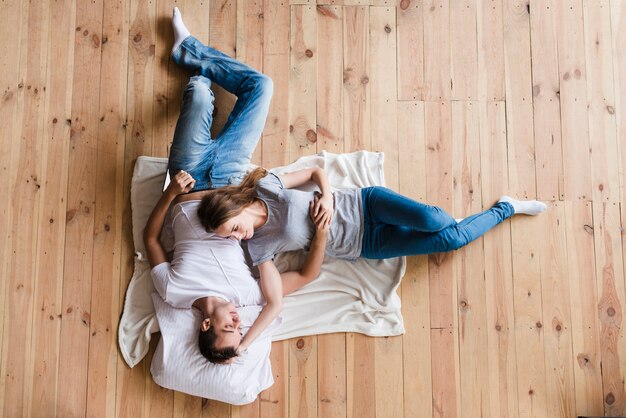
x=220 y=205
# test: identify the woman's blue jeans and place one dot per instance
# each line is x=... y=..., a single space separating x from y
x=224 y=159
x=395 y=225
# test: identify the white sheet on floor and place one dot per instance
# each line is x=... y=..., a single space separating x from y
x=347 y=296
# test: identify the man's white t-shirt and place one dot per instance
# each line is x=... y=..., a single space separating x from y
x=203 y=264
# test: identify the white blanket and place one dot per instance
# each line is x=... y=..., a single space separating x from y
x=346 y=297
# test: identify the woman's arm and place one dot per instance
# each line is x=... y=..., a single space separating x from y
x=294 y=280
x=271 y=286
x=182 y=183
x=297 y=178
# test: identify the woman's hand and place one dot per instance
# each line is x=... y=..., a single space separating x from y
x=181 y=183
x=322 y=210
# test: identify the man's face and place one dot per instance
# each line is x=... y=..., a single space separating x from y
x=240 y=227
x=227 y=326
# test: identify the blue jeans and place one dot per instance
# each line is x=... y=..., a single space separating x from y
x=395 y=225
x=223 y=160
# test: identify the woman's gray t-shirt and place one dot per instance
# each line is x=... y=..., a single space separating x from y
x=289 y=226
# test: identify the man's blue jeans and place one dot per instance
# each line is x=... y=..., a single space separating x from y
x=395 y=225
x=223 y=160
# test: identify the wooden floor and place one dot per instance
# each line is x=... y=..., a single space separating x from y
x=469 y=99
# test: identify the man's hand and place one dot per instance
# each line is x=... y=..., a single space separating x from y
x=181 y=183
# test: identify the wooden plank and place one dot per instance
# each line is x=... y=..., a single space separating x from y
x=611 y=303
x=331 y=375
x=601 y=97
x=356 y=77
x=105 y=306
x=79 y=231
x=10 y=17
x=618 y=39
x=439 y=191
x=249 y=46
x=331 y=348
x=302 y=82
x=546 y=108
x=490 y=41
x=529 y=323
x=445 y=368
x=302 y=141
x=24 y=195
x=360 y=376
x=442 y=285
x=463 y=50
x=384 y=126
x=383 y=84
x=412 y=149
x=415 y=284
x=410 y=27
x=303 y=376
x=215 y=409
x=186 y=405
x=498 y=266
x=44 y=350
x=555 y=283
x=519 y=110
x=416 y=344
x=275 y=400
x=584 y=303
x=223 y=36
x=276 y=65
x=329 y=79
x=276 y=40
x=437 y=64
x=573 y=94
x=474 y=377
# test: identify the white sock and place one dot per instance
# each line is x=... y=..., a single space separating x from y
x=458 y=220
x=180 y=30
x=526 y=207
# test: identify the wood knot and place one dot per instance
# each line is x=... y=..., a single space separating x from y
x=566 y=76
x=610 y=311
x=54 y=120
x=311 y=136
x=498 y=327
x=531 y=392
x=365 y=79
x=96 y=40
x=538 y=324
x=583 y=360
x=300 y=344
x=85 y=32
x=610 y=109
x=107 y=227
x=610 y=398
x=463 y=304
x=69 y=310
x=137 y=38
x=536 y=90
x=577 y=73
x=404 y=4
x=387 y=28
x=308 y=53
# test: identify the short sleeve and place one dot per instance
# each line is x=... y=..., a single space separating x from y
x=160 y=276
x=271 y=183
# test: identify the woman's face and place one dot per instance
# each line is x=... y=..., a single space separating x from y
x=240 y=227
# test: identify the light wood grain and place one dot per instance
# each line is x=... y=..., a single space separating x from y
x=522 y=97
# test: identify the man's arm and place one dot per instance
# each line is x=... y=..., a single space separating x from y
x=182 y=183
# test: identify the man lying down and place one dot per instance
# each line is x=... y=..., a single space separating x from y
x=206 y=271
